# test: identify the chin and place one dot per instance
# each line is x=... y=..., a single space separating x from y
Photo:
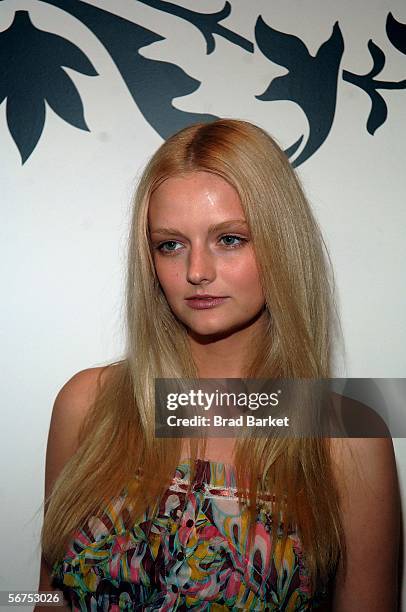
x=214 y=331
x=205 y=330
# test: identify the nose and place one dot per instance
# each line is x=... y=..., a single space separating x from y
x=201 y=266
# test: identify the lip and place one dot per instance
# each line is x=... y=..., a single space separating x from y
x=204 y=296
x=201 y=303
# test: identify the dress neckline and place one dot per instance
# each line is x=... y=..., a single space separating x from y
x=187 y=460
x=212 y=477
x=214 y=473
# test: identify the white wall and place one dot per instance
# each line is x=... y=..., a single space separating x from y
x=65 y=213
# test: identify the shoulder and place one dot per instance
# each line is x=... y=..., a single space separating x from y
x=355 y=419
x=364 y=460
x=354 y=451
x=364 y=467
x=365 y=471
x=75 y=398
x=366 y=476
x=71 y=405
x=79 y=391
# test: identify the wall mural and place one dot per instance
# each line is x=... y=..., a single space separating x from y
x=33 y=60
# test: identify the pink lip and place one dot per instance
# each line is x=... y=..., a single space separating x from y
x=200 y=303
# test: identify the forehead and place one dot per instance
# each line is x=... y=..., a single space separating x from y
x=195 y=196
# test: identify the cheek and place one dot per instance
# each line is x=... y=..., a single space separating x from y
x=253 y=287
x=169 y=274
x=244 y=274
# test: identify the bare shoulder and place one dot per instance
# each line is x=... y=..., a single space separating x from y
x=373 y=456
x=365 y=471
x=366 y=475
x=79 y=391
x=366 y=455
x=71 y=406
x=75 y=398
x=354 y=419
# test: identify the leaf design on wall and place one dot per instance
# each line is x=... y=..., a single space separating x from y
x=367 y=82
x=207 y=23
x=311 y=81
x=32 y=72
x=379 y=110
x=153 y=84
x=396 y=32
x=33 y=62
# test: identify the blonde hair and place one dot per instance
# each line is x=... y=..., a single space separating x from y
x=117 y=437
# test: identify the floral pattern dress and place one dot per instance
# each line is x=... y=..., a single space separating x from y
x=191 y=555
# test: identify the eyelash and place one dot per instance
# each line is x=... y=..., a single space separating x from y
x=235 y=246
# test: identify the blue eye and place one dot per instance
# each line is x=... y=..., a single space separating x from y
x=160 y=247
x=233 y=238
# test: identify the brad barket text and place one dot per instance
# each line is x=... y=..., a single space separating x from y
x=247 y=420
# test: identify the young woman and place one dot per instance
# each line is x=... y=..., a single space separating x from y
x=227 y=278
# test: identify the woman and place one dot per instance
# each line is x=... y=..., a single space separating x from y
x=148 y=523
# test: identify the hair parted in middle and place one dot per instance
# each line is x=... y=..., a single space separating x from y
x=118 y=435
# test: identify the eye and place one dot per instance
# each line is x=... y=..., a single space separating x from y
x=161 y=246
x=232 y=237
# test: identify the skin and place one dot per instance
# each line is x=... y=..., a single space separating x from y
x=197 y=259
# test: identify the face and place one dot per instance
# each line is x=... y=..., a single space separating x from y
x=201 y=246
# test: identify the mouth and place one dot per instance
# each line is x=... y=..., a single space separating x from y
x=202 y=302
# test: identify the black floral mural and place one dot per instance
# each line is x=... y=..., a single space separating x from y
x=33 y=62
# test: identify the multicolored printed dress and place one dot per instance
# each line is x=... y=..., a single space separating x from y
x=191 y=555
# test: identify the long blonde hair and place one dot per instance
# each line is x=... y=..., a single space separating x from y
x=117 y=437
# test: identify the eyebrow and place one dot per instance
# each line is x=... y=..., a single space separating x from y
x=170 y=231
